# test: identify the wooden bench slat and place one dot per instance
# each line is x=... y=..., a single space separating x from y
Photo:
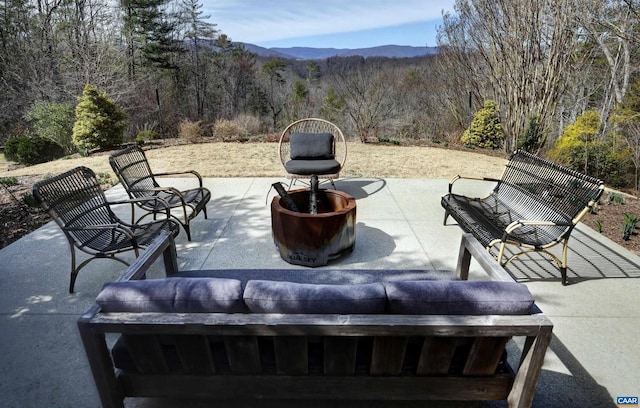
x=292 y=355
x=340 y=355
x=318 y=387
x=243 y=354
x=436 y=355
x=388 y=355
x=195 y=354
x=147 y=354
x=485 y=355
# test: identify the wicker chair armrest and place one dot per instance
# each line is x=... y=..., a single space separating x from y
x=156 y=190
x=459 y=177
x=118 y=227
x=167 y=209
x=175 y=173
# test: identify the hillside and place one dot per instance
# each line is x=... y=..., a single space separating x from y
x=309 y=53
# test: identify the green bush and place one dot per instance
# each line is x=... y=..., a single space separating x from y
x=582 y=148
x=11 y=149
x=534 y=136
x=100 y=123
x=53 y=120
x=32 y=150
x=486 y=128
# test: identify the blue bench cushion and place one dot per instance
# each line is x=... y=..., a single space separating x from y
x=263 y=296
x=173 y=295
x=458 y=298
x=314 y=146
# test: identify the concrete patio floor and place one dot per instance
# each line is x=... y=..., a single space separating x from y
x=594 y=355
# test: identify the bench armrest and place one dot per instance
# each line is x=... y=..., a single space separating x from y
x=471 y=247
x=458 y=177
x=163 y=245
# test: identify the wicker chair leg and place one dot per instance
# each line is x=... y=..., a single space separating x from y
x=563 y=273
x=72 y=283
x=74 y=272
x=187 y=229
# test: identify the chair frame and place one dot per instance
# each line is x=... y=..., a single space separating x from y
x=69 y=211
x=313 y=125
x=133 y=159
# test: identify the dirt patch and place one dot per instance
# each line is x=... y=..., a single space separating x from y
x=608 y=219
x=17 y=216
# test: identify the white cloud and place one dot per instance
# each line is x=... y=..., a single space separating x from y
x=258 y=21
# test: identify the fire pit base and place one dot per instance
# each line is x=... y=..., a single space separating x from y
x=314 y=239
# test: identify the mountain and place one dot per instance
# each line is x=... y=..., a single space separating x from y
x=308 y=53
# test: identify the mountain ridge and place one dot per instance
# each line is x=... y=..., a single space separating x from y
x=311 y=53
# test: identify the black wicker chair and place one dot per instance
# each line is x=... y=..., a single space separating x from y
x=133 y=171
x=312 y=146
x=76 y=202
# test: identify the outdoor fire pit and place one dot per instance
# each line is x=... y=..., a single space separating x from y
x=309 y=239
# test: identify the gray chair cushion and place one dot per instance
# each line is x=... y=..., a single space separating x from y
x=309 y=167
x=287 y=297
x=458 y=298
x=314 y=146
x=173 y=295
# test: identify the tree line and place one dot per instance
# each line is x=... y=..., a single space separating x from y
x=540 y=67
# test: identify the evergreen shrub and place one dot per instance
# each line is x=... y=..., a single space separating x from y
x=100 y=122
x=32 y=150
x=486 y=128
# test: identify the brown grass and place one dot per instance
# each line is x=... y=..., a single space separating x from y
x=261 y=160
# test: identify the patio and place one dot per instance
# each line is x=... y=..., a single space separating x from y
x=592 y=359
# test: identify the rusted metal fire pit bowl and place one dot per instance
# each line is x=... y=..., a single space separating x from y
x=314 y=239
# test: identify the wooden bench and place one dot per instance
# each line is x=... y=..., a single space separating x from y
x=316 y=357
x=534 y=206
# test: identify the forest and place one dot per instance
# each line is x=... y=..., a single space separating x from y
x=555 y=77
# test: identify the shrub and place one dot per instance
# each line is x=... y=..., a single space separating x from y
x=250 y=124
x=227 y=129
x=100 y=123
x=582 y=148
x=9 y=181
x=11 y=149
x=533 y=138
x=32 y=150
x=53 y=120
x=147 y=132
x=572 y=148
x=486 y=128
x=190 y=131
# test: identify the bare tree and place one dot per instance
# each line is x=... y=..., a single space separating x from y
x=366 y=91
x=519 y=50
x=613 y=25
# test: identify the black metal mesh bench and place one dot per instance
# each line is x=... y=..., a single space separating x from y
x=533 y=207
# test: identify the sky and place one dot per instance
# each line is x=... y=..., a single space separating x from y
x=328 y=23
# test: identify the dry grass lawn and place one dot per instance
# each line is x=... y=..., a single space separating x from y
x=261 y=160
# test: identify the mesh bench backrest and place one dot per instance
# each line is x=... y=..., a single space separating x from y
x=540 y=189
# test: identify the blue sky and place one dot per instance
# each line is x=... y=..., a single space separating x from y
x=328 y=23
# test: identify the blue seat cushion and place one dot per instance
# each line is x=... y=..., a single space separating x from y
x=309 y=167
x=459 y=298
x=173 y=295
x=313 y=146
x=263 y=296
